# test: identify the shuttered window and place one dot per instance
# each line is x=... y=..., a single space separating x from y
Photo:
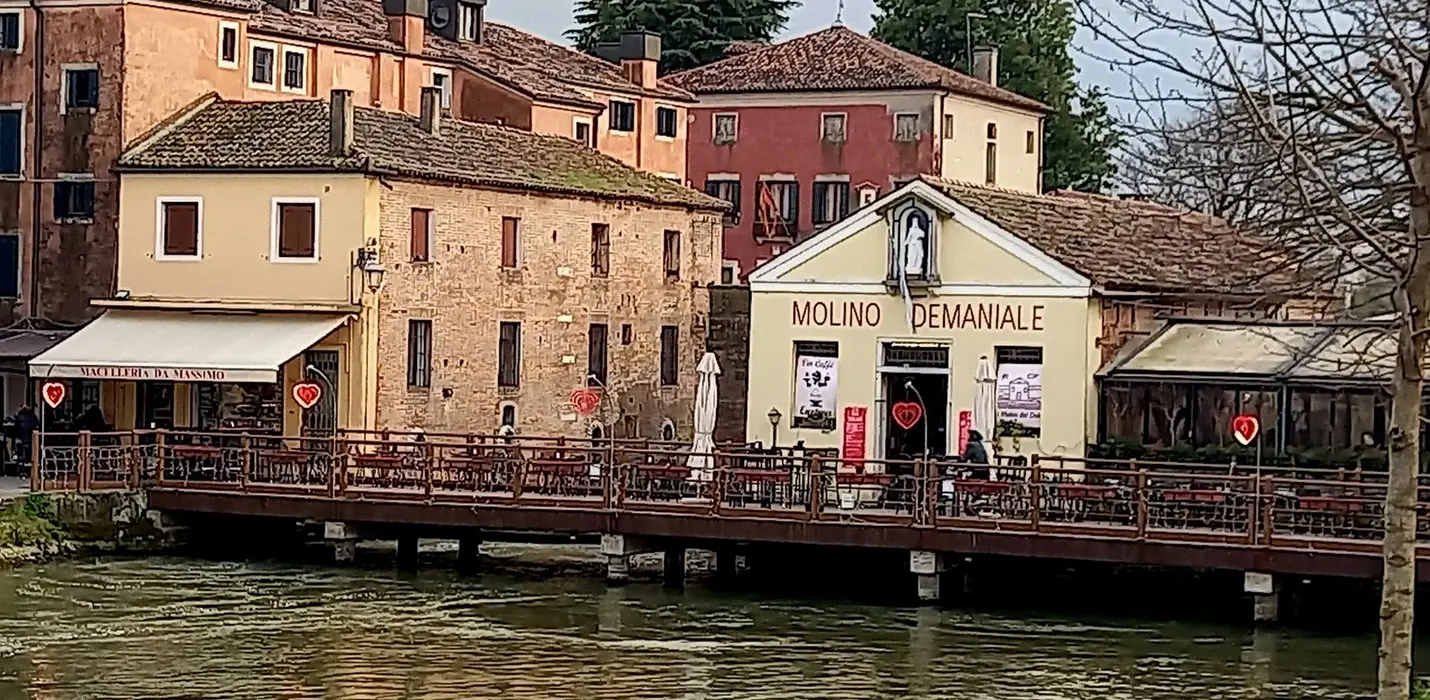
x=596 y=344
x=421 y=235
x=181 y=229
x=672 y=256
x=600 y=250
x=509 y=354
x=510 y=242
x=419 y=354
x=297 y=230
x=669 y=355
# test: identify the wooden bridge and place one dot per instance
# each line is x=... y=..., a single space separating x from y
x=1176 y=515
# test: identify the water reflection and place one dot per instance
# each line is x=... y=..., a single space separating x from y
x=175 y=628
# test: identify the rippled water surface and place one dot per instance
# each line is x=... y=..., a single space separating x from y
x=170 y=628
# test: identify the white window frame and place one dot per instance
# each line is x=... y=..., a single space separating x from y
x=918 y=122
x=734 y=267
x=159 y=231
x=635 y=121
x=446 y=85
x=674 y=136
x=277 y=68
x=317 y=230
x=715 y=129
x=22 y=109
x=590 y=123
x=94 y=204
x=65 y=82
x=281 y=70
x=826 y=115
x=20 y=26
x=464 y=11
x=237 y=45
x=310 y=9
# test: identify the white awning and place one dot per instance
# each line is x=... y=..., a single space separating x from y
x=184 y=346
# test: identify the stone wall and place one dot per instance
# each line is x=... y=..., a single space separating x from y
x=730 y=341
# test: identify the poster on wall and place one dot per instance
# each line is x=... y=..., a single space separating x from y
x=1020 y=394
x=815 y=392
x=855 y=436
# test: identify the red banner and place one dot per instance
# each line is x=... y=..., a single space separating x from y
x=965 y=424
x=855 y=436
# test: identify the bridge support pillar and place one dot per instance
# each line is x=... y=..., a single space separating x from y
x=727 y=564
x=469 y=554
x=407 y=552
x=617 y=551
x=344 y=538
x=674 y=567
x=927 y=567
x=1265 y=596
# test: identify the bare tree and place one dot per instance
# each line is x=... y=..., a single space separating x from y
x=1319 y=117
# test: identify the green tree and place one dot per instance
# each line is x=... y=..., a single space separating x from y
x=693 y=32
x=1033 y=37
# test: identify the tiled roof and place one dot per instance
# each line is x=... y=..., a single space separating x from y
x=1132 y=245
x=293 y=135
x=836 y=59
x=530 y=64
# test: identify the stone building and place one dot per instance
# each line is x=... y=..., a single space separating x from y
x=434 y=274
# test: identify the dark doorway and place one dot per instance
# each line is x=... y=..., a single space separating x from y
x=154 y=405
x=322 y=366
x=930 y=392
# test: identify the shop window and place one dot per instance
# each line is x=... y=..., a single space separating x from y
x=255 y=408
x=777 y=215
x=816 y=388
x=831 y=202
x=421 y=236
x=671 y=256
x=509 y=355
x=180 y=228
x=623 y=116
x=74 y=200
x=1019 y=391
x=726 y=128
x=82 y=396
x=295 y=229
x=906 y=127
x=596 y=347
x=419 y=354
x=728 y=190
x=669 y=355
x=667 y=122
x=600 y=250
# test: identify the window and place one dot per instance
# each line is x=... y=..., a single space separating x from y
x=302 y=6
x=990 y=163
x=581 y=131
x=623 y=116
x=832 y=130
x=628 y=334
x=295 y=70
x=729 y=271
x=10 y=265
x=667 y=430
x=469 y=22
x=666 y=124
x=508 y=415
x=831 y=202
x=948 y=126
x=81 y=85
x=74 y=200
x=596 y=338
x=727 y=129
x=421 y=240
x=10 y=34
x=180 y=228
x=906 y=127
x=868 y=195
x=669 y=355
x=295 y=230
x=728 y=190
x=12 y=140
x=1030 y=142
x=510 y=242
x=261 y=58
x=992 y=130
x=509 y=354
x=442 y=80
x=1020 y=391
x=600 y=250
x=778 y=212
x=671 y=256
x=228 y=44
x=419 y=354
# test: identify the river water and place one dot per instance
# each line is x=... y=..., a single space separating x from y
x=175 y=628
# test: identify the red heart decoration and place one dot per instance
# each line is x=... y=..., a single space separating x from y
x=585 y=401
x=907 y=414
x=307 y=394
x=54 y=393
x=1244 y=428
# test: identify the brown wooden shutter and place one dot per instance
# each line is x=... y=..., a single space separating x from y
x=510 y=229
x=296 y=230
x=421 y=233
x=181 y=228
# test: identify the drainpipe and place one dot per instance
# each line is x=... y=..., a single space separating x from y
x=37 y=145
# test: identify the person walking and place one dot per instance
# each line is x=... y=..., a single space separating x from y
x=975 y=454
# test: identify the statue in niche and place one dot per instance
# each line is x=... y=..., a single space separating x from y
x=915 y=241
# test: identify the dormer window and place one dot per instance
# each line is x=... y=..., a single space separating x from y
x=469 y=22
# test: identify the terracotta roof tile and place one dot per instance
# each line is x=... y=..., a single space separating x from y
x=1132 y=245
x=293 y=135
x=834 y=59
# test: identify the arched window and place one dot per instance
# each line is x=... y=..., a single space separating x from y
x=508 y=419
x=597 y=432
x=667 y=430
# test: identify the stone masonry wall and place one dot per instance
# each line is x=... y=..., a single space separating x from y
x=466 y=294
x=730 y=341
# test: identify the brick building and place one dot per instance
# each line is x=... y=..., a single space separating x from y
x=81 y=79
x=433 y=273
x=799 y=134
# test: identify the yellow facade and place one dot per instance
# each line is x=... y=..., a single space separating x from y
x=990 y=291
x=1016 y=134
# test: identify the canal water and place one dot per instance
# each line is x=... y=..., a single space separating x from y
x=190 y=629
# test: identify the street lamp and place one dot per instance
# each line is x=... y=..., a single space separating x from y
x=775 y=416
x=372 y=271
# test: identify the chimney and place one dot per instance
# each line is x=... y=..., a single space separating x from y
x=431 y=118
x=638 y=53
x=405 y=22
x=985 y=64
x=340 y=124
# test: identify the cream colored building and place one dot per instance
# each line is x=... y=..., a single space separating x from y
x=428 y=273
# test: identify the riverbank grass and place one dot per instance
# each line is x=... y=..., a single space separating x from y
x=29 y=522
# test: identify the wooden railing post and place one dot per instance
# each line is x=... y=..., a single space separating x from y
x=245 y=470
x=1035 y=494
x=161 y=457
x=133 y=465
x=816 y=487
x=1141 y=504
x=427 y=455
x=37 y=459
x=1268 y=518
x=86 y=460
x=518 y=476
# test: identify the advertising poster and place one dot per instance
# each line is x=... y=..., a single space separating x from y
x=815 y=391
x=855 y=436
x=1020 y=394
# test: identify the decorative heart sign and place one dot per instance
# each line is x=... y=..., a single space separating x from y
x=907 y=414
x=53 y=393
x=307 y=394
x=585 y=401
x=1244 y=428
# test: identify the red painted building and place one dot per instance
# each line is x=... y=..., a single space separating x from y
x=801 y=133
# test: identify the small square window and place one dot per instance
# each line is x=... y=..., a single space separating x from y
x=228 y=44
x=832 y=130
x=443 y=80
x=261 y=63
x=81 y=88
x=295 y=70
x=74 y=200
x=10 y=34
x=729 y=271
x=948 y=126
x=623 y=116
x=1031 y=142
x=727 y=129
x=992 y=130
x=295 y=230
x=581 y=132
x=666 y=122
x=906 y=127
x=180 y=228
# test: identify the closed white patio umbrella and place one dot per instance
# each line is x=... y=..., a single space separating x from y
x=707 y=398
x=985 y=399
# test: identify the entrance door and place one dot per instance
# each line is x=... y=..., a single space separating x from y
x=929 y=434
x=154 y=405
x=322 y=366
